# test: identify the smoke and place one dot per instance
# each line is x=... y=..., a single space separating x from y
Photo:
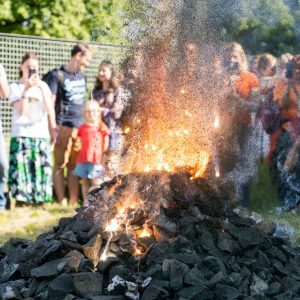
x=180 y=91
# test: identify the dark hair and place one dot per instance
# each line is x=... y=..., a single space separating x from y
x=266 y=60
x=82 y=48
x=28 y=55
x=113 y=82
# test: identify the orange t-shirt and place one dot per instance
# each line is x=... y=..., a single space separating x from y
x=244 y=84
x=92 y=144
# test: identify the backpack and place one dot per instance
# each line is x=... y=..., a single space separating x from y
x=270 y=114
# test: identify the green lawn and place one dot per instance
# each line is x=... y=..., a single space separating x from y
x=29 y=222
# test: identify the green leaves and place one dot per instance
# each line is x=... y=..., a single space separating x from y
x=266 y=25
x=97 y=20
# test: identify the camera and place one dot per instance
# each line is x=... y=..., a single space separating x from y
x=232 y=66
x=31 y=72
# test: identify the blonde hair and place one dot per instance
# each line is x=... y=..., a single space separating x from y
x=286 y=57
x=235 y=47
x=91 y=104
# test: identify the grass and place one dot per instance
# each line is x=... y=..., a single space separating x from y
x=264 y=198
x=29 y=222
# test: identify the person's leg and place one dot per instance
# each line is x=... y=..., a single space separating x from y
x=73 y=180
x=61 y=157
x=3 y=171
x=43 y=171
x=85 y=185
x=73 y=185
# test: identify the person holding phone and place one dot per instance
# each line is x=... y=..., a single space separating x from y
x=33 y=128
x=3 y=159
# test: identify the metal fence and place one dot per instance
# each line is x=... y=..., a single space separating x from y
x=52 y=53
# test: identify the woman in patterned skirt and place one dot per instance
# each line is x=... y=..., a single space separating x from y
x=33 y=127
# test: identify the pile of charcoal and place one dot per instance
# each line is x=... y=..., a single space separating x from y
x=154 y=236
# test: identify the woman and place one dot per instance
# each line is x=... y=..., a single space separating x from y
x=107 y=93
x=243 y=91
x=33 y=126
x=3 y=159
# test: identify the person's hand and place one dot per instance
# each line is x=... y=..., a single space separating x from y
x=53 y=135
x=34 y=80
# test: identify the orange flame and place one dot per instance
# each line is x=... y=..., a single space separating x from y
x=146 y=232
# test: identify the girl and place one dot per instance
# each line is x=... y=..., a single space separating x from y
x=94 y=141
x=30 y=170
x=107 y=93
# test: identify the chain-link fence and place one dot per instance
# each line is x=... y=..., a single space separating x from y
x=52 y=53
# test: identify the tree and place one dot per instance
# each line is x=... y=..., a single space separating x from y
x=96 y=20
x=265 y=25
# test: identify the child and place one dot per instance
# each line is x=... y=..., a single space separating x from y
x=94 y=141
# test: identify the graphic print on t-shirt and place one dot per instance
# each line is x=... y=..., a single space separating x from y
x=75 y=90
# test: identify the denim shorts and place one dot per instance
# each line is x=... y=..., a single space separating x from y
x=88 y=170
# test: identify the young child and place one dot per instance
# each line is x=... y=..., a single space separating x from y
x=94 y=141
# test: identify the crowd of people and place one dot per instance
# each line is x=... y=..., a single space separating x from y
x=263 y=100
x=52 y=117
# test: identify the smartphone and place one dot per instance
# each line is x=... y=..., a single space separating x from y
x=31 y=72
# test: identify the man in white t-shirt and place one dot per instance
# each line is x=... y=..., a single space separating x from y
x=3 y=158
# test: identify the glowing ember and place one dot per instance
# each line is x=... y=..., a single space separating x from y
x=217 y=121
x=201 y=167
x=126 y=130
x=138 y=252
x=187 y=113
x=112 y=226
x=146 y=232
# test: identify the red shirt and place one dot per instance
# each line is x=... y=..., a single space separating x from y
x=92 y=144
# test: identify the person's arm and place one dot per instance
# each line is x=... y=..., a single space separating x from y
x=22 y=105
x=106 y=142
x=50 y=111
x=4 y=89
x=52 y=81
x=18 y=98
x=293 y=156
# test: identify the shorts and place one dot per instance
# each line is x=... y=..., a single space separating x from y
x=67 y=147
x=89 y=170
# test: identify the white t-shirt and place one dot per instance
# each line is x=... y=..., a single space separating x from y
x=2 y=78
x=35 y=122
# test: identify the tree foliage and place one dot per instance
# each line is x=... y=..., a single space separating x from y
x=259 y=25
x=96 y=20
x=265 y=25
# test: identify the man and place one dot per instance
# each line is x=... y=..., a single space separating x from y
x=68 y=87
x=3 y=159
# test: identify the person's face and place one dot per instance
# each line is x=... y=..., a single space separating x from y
x=104 y=73
x=233 y=63
x=296 y=72
x=84 y=60
x=235 y=56
x=92 y=114
x=29 y=64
